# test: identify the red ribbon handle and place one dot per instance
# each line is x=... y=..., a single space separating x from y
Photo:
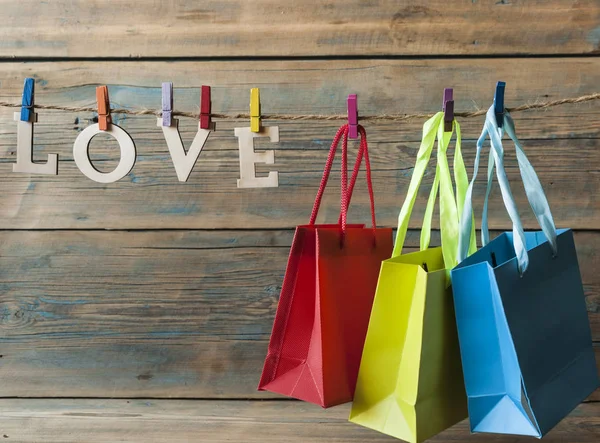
x=363 y=152
x=346 y=191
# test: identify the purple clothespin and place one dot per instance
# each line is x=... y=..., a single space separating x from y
x=448 y=107
x=352 y=116
x=27 y=100
x=167 y=104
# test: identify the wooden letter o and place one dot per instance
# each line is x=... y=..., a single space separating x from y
x=82 y=157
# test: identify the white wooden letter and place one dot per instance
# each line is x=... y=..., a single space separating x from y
x=82 y=158
x=25 y=149
x=183 y=162
x=248 y=158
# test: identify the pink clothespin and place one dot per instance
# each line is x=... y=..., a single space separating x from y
x=448 y=107
x=352 y=116
x=205 y=108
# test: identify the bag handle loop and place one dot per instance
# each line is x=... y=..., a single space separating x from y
x=533 y=189
x=449 y=206
x=346 y=190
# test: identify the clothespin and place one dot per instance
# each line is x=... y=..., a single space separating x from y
x=448 y=107
x=167 y=104
x=499 y=103
x=27 y=101
x=104 y=119
x=255 y=110
x=352 y=116
x=205 y=108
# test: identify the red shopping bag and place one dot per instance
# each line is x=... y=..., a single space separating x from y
x=325 y=302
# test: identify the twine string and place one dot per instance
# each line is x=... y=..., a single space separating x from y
x=296 y=117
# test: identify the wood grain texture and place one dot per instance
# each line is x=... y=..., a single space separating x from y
x=66 y=28
x=74 y=421
x=152 y=197
x=210 y=199
x=321 y=87
x=168 y=311
x=154 y=314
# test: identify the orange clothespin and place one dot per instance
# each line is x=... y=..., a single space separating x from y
x=104 y=119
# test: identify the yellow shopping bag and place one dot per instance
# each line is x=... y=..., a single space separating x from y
x=410 y=383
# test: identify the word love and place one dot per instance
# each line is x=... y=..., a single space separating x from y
x=183 y=161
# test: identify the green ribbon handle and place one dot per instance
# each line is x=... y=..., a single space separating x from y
x=462 y=184
x=449 y=210
x=426 y=229
x=427 y=141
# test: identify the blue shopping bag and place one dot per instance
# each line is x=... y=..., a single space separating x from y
x=523 y=328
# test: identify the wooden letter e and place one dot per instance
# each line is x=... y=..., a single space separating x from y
x=248 y=158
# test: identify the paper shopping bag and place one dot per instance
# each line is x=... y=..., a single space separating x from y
x=323 y=312
x=524 y=332
x=410 y=380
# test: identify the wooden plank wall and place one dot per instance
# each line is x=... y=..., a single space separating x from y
x=153 y=289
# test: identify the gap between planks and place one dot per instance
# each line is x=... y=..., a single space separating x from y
x=331 y=57
x=216 y=399
x=252 y=421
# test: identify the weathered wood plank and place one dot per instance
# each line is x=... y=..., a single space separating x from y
x=154 y=314
x=67 y=28
x=314 y=87
x=160 y=364
x=108 y=421
x=211 y=200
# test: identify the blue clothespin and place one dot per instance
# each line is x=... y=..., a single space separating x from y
x=167 y=104
x=499 y=103
x=27 y=101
